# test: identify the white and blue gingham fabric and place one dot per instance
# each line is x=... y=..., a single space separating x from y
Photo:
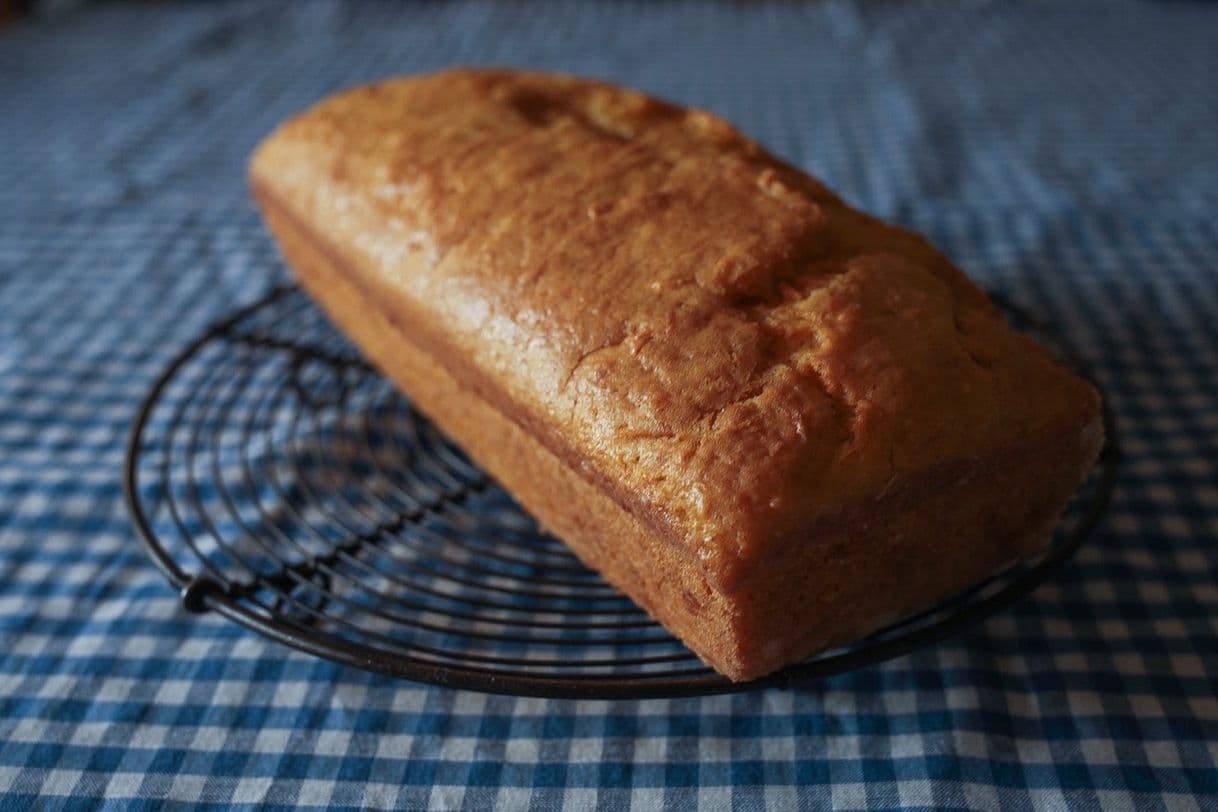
x=1066 y=154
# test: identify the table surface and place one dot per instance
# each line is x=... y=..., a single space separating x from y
x=1065 y=154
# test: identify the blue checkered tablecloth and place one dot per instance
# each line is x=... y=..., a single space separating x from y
x=1066 y=154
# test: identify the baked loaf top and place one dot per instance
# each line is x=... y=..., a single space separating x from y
x=730 y=351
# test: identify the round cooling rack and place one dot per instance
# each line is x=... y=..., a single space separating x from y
x=278 y=480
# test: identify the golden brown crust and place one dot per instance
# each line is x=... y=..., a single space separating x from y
x=748 y=368
x=593 y=525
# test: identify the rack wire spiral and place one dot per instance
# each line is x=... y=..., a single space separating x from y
x=278 y=480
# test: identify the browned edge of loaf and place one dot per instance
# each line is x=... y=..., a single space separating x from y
x=875 y=561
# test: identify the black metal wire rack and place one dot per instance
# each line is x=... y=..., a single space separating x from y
x=277 y=480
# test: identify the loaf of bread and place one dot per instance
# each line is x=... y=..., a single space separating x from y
x=775 y=422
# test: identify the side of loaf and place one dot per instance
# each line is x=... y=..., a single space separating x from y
x=773 y=421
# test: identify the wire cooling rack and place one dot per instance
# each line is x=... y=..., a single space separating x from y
x=278 y=480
